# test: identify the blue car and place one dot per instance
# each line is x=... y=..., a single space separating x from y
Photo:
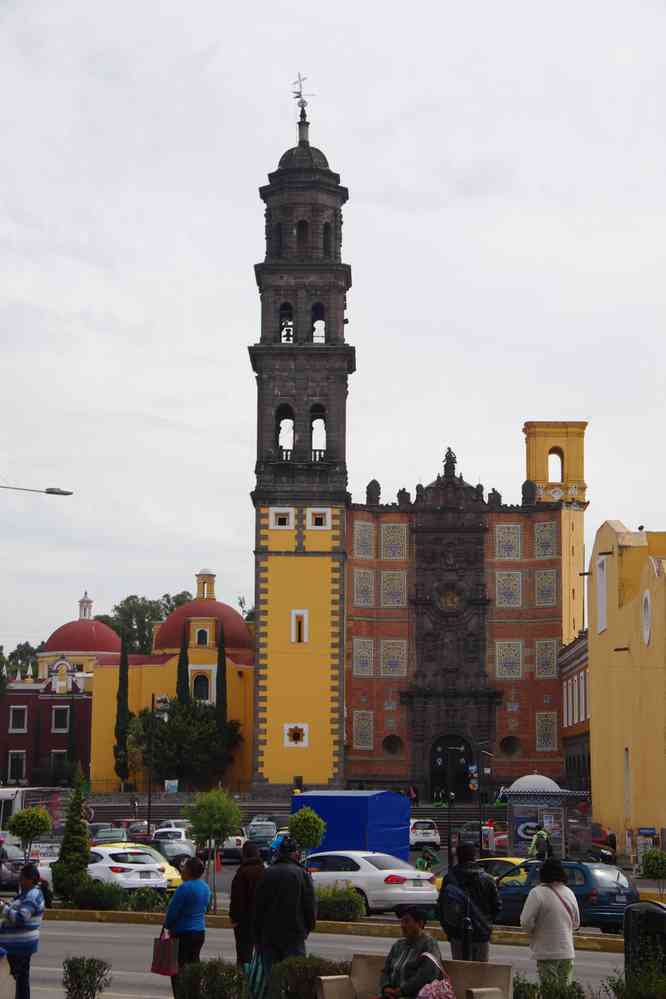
x=603 y=892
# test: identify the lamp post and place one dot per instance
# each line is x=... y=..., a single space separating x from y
x=51 y=491
x=451 y=798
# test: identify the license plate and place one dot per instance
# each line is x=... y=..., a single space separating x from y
x=420 y=884
x=145 y=874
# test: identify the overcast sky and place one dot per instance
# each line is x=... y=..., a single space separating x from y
x=505 y=230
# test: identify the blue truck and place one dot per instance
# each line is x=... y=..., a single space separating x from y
x=361 y=820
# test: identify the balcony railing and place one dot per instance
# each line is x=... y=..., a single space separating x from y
x=286 y=454
x=319 y=455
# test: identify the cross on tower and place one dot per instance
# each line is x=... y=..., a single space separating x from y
x=298 y=94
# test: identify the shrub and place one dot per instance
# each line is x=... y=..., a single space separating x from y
x=211 y=980
x=340 y=903
x=147 y=900
x=85 y=977
x=296 y=977
x=654 y=866
x=71 y=868
x=650 y=983
x=90 y=894
x=307 y=828
x=29 y=824
x=524 y=989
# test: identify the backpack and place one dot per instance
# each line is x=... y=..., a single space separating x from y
x=455 y=906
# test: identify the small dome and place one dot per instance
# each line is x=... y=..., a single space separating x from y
x=534 y=784
x=303 y=157
x=236 y=633
x=84 y=635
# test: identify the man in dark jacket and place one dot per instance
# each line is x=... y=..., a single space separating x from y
x=241 y=908
x=483 y=908
x=284 y=908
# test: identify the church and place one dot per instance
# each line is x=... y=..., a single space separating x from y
x=404 y=641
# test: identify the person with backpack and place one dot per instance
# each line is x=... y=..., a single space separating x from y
x=467 y=907
x=541 y=846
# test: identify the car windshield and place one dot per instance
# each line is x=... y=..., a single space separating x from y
x=611 y=876
x=423 y=825
x=384 y=862
x=111 y=834
x=131 y=857
x=261 y=830
x=168 y=834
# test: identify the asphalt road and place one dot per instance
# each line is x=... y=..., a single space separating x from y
x=128 y=948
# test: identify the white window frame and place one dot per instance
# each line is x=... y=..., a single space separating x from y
x=310 y=515
x=13 y=730
x=59 y=707
x=306 y=626
x=565 y=705
x=277 y=511
x=576 y=716
x=196 y=636
x=569 y=702
x=16 y=752
x=601 y=587
x=206 y=676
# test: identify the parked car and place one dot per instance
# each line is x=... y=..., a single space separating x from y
x=262 y=835
x=94 y=827
x=423 y=832
x=110 y=835
x=11 y=865
x=175 y=851
x=176 y=824
x=129 y=868
x=232 y=846
x=497 y=867
x=603 y=892
x=170 y=833
x=171 y=873
x=383 y=882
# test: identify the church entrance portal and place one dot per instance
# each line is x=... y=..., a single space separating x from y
x=450 y=758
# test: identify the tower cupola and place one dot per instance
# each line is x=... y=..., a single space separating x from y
x=85 y=607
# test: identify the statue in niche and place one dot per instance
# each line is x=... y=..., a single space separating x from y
x=449 y=599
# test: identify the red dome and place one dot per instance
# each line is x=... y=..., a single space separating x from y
x=236 y=632
x=83 y=636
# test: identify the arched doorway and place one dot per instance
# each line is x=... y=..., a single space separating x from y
x=450 y=758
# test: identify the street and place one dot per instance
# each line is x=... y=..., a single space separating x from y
x=129 y=950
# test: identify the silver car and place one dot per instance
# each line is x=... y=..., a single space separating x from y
x=383 y=882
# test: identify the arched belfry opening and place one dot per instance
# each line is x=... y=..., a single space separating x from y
x=318 y=323
x=302 y=237
x=286 y=323
x=284 y=431
x=318 y=432
x=556 y=465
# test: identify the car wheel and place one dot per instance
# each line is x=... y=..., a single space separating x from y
x=364 y=899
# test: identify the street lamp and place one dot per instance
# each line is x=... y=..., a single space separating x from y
x=452 y=798
x=51 y=491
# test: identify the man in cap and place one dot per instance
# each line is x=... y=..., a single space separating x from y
x=284 y=908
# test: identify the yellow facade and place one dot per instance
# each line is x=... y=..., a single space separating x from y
x=299 y=615
x=566 y=440
x=627 y=675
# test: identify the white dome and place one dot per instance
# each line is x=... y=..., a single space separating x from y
x=534 y=784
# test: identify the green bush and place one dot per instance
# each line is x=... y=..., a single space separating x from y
x=340 y=903
x=524 y=989
x=85 y=977
x=650 y=983
x=307 y=828
x=296 y=977
x=211 y=980
x=147 y=900
x=91 y=894
x=654 y=867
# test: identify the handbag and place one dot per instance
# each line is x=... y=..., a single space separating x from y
x=165 y=955
x=256 y=977
x=442 y=988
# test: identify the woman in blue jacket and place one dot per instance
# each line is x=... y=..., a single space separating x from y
x=186 y=913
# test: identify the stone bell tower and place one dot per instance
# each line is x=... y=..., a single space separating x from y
x=302 y=364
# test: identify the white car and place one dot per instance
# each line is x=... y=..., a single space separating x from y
x=423 y=832
x=383 y=882
x=175 y=824
x=171 y=833
x=128 y=868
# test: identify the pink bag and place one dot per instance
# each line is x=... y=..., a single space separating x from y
x=165 y=955
x=441 y=989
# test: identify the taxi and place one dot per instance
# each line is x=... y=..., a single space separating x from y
x=497 y=867
x=172 y=874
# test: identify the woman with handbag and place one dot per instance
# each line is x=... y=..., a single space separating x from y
x=185 y=917
x=550 y=916
x=413 y=966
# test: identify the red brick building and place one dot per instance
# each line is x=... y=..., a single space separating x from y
x=456 y=607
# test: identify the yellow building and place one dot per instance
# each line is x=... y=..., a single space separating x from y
x=627 y=677
x=95 y=650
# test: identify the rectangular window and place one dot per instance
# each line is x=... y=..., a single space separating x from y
x=281 y=518
x=319 y=519
x=587 y=693
x=58 y=760
x=16 y=765
x=60 y=719
x=581 y=696
x=601 y=586
x=565 y=707
x=363 y=730
x=574 y=684
x=18 y=719
x=569 y=702
x=300 y=627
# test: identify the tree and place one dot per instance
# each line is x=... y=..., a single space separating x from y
x=135 y=616
x=122 y=715
x=29 y=824
x=22 y=658
x=71 y=868
x=221 y=682
x=214 y=816
x=135 y=754
x=187 y=744
x=654 y=867
x=183 y=676
x=307 y=828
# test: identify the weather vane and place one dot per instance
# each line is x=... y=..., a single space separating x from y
x=299 y=96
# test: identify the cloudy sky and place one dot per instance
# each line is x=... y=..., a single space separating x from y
x=505 y=230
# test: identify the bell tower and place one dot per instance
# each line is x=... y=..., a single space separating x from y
x=302 y=364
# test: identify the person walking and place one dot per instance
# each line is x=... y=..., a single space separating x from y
x=284 y=908
x=241 y=908
x=468 y=896
x=185 y=917
x=541 y=846
x=550 y=916
x=20 y=926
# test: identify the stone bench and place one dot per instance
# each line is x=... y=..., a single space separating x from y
x=470 y=979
